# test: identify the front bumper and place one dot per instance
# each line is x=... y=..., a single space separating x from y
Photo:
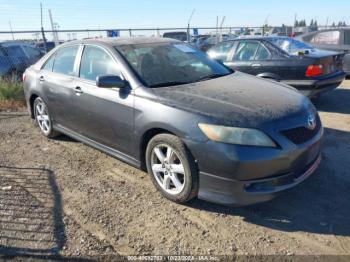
x=314 y=87
x=241 y=193
x=241 y=175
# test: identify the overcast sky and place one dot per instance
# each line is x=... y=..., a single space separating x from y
x=25 y=15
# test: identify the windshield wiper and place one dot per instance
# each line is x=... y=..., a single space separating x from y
x=170 y=83
x=204 y=78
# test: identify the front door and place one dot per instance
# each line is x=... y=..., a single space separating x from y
x=105 y=115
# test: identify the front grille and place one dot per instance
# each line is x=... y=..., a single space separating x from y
x=300 y=135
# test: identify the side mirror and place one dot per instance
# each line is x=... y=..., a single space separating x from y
x=110 y=81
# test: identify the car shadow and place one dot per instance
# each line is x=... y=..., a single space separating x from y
x=318 y=205
x=336 y=101
x=31 y=216
x=64 y=138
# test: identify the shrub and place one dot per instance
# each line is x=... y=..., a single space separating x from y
x=11 y=90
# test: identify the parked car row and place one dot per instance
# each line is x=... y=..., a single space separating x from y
x=283 y=59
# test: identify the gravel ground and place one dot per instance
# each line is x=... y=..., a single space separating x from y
x=60 y=198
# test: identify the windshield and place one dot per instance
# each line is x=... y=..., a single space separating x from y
x=165 y=64
x=291 y=46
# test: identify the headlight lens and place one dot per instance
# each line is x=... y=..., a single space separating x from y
x=236 y=135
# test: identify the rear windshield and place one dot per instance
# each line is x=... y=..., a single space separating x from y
x=166 y=64
x=291 y=46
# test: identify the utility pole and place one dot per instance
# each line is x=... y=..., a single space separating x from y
x=42 y=27
x=13 y=37
x=221 y=25
x=265 y=24
x=217 y=29
x=54 y=32
x=188 y=26
x=295 y=21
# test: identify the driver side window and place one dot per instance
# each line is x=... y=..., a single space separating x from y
x=96 y=62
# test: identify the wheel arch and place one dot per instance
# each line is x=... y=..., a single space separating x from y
x=146 y=137
x=32 y=98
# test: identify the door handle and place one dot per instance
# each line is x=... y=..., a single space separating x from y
x=256 y=65
x=78 y=90
x=41 y=79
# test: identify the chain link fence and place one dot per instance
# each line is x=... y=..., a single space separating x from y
x=20 y=49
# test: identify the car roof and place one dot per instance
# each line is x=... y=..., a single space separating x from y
x=14 y=42
x=118 y=41
x=252 y=37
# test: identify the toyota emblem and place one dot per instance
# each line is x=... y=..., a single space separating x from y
x=311 y=122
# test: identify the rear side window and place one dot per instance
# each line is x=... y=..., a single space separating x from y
x=49 y=63
x=262 y=53
x=96 y=62
x=64 y=61
x=246 y=51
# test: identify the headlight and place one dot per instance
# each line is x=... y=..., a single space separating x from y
x=236 y=135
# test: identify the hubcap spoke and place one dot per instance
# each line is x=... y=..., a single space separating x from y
x=45 y=125
x=40 y=109
x=178 y=168
x=166 y=182
x=159 y=154
x=157 y=168
x=177 y=183
x=40 y=118
x=169 y=154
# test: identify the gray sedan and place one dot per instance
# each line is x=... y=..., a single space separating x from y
x=199 y=128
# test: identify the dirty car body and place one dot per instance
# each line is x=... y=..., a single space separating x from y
x=122 y=121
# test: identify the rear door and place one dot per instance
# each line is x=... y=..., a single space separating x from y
x=243 y=57
x=56 y=78
x=105 y=115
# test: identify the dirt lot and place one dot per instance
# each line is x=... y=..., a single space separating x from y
x=60 y=197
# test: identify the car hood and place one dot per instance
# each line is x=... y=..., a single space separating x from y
x=237 y=99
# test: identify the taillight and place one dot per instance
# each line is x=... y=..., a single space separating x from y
x=24 y=77
x=314 y=70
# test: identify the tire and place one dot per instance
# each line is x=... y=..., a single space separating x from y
x=41 y=115
x=180 y=160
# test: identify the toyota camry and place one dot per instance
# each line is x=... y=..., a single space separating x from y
x=200 y=129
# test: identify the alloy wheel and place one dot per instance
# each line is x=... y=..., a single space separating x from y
x=43 y=118
x=167 y=168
